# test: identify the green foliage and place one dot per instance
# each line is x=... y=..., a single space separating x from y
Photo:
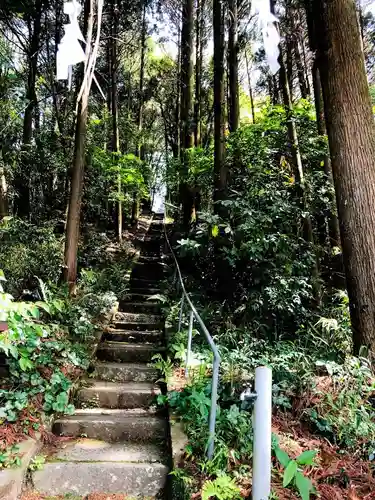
x=107 y=170
x=10 y=458
x=44 y=356
x=293 y=471
x=222 y=488
x=28 y=251
x=164 y=366
x=37 y=463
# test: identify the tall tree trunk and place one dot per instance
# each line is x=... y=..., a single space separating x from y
x=140 y=148
x=333 y=222
x=3 y=194
x=186 y=74
x=220 y=170
x=250 y=87
x=297 y=163
x=303 y=86
x=177 y=147
x=351 y=134
x=115 y=143
x=22 y=180
x=198 y=71
x=140 y=151
x=234 y=105
x=186 y=104
x=75 y=200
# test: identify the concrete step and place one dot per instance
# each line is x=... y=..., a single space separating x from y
x=139 y=297
x=93 y=450
x=124 y=325
x=153 y=259
x=143 y=307
x=141 y=318
x=128 y=395
x=133 y=336
x=82 y=478
x=144 y=290
x=125 y=352
x=137 y=426
x=125 y=372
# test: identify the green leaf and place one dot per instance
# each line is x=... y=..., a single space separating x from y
x=290 y=472
x=304 y=485
x=282 y=456
x=307 y=457
x=25 y=363
x=34 y=311
x=215 y=231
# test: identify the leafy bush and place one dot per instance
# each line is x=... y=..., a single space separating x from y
x=29 y=251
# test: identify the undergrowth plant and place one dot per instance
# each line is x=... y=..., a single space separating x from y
x=293 y=471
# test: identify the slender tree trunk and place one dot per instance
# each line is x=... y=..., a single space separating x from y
x=186 y=105
x=300 y=70
x=333 y=222
x=3 y=194
x=115 y=145
x=140 y=151
x=250 y=87
x=140 y=148
x=351 y=134
x=220 y=170
x=234 y=105
x=198 y=71
x=75 y=200
x=177 y=147
x=22 y=180
x=186 y=74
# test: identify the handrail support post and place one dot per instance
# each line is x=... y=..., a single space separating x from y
x=190 y=340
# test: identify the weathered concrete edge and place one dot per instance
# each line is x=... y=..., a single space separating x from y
x=11 y=480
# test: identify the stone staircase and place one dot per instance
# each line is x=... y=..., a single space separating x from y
x=120 y=443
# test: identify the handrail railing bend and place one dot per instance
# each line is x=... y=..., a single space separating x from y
x=216 y=361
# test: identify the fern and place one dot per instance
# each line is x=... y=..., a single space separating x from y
x=222 y=488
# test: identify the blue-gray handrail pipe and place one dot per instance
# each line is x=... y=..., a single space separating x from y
x=216 y=361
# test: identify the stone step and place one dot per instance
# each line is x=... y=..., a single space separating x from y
x=144 y=307
x=125 y=372
x=137 y=426
x=139 y=297
x=82 y=478
x=129 y=395
x=144 y=290
x=124 y=325
x=125 y=352
x=140 y=318
x=93 y=450
x=149 y=259
x=133 y=336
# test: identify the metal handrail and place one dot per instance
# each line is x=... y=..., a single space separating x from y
x=216 y=361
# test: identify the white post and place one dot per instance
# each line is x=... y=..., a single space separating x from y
x=262 y=434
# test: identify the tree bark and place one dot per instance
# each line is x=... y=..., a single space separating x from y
x=115 y=143
x=186 y=105
x=22 y=180
x=220 y=170
x=75 y=200
x=140 y=151
x=351 y=134
x=333 y=222
x=234 y=105
x=198 y=72
x=250 y=87
x=186 y=75
x=3 y=194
